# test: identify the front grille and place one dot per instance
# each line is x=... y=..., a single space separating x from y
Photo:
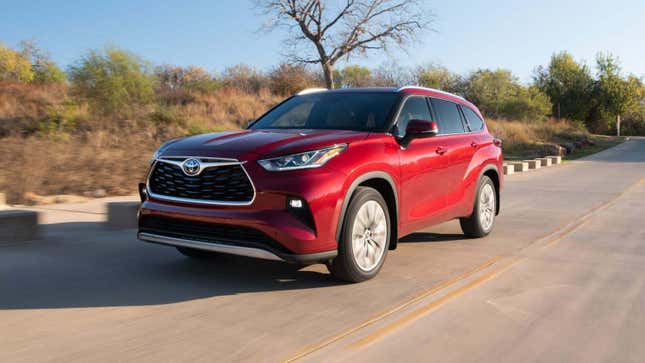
x=226 y=184
x=208 y=232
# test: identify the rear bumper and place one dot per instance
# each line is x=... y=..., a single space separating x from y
x=263 y=253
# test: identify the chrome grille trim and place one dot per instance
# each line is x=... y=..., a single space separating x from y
x=205 y=165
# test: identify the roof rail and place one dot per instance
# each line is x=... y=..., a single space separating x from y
x=311 y=90
x=430 y=89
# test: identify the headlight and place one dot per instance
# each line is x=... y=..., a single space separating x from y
x=309 y=159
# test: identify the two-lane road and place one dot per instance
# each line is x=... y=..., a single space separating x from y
x=561 y=278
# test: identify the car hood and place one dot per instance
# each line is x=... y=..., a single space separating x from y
x=247 y=144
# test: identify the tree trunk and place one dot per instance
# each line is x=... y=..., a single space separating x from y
x=328 y=71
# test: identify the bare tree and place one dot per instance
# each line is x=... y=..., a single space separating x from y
x=339 y=29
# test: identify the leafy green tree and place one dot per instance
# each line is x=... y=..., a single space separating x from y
x=440 y=78
x=568 y=84
x=528 y=104
x=45 y=70
x=14 y=66
x=354 y=76
x=112 y=80
x=614 y=95
x=499 y=94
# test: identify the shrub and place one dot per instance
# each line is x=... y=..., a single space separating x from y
x=176 y=84
x=287 y=79
x=354 y=76
x=440 y=78
x=244 y=78
x=45 y=70
x=14 y=66
x=112 y=80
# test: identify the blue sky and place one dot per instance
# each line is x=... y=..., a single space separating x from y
x=217 y=33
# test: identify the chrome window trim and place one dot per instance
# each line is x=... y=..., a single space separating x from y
x=205 y=165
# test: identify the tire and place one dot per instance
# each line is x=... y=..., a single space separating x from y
x=195 y=253
x=481 y=221
x=368 y=220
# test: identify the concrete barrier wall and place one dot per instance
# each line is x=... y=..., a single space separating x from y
x=18 y=226
x=122 y=214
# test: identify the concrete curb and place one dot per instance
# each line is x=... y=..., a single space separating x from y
x=533 y=164
x=555 y=160
x=520 y=166
x=509 y=169
x=545 y=162
x=18 y=225
x=122 y=214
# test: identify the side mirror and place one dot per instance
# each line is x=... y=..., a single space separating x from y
x=417 y=129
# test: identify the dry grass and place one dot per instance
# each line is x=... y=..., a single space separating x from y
x=529 y=139
x=53 y=146
x=103 y=153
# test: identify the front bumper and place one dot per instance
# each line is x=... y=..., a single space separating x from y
x=289 y=237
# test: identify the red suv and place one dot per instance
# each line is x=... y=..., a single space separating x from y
x=334 y=177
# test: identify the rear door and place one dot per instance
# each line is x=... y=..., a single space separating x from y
x=424 y=166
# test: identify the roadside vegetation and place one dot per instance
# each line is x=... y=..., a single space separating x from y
x=92 y=128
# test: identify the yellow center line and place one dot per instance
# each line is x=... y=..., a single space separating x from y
x=588 y=215
x=308 y=350
x=431 y=306
x=556 y=236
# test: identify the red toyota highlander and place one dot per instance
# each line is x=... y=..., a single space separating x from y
x=334 y=177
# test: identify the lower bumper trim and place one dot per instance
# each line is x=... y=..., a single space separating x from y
x=237 y=250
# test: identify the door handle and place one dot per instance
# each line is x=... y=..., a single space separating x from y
x=440 y=150
x=474 y=144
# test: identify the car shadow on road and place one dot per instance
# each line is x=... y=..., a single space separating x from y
x=427 y=237
x=88 y=265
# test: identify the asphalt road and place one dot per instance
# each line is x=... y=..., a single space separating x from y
x=561 y=278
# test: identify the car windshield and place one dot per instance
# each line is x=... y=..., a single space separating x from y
x=366 y=111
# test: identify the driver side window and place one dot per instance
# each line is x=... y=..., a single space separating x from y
x=415 y=108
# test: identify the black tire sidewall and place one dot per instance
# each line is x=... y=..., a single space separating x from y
x=483 y=181
x=362 y=196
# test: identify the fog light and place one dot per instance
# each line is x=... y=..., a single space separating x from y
x=295 y=203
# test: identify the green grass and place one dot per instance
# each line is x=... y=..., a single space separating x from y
x=602 y=143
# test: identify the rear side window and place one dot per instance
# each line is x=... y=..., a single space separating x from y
x=448 y=117
x=473 y=119
x=415 y=108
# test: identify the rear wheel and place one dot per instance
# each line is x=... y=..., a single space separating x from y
x=481 y=221
x=365 y=237
x=195 y=253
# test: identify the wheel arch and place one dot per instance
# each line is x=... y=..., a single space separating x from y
x=384 y=184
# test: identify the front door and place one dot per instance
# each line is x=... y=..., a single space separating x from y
x=424 y=168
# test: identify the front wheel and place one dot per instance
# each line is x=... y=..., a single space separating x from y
x=481 y=221
x=365 y=238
